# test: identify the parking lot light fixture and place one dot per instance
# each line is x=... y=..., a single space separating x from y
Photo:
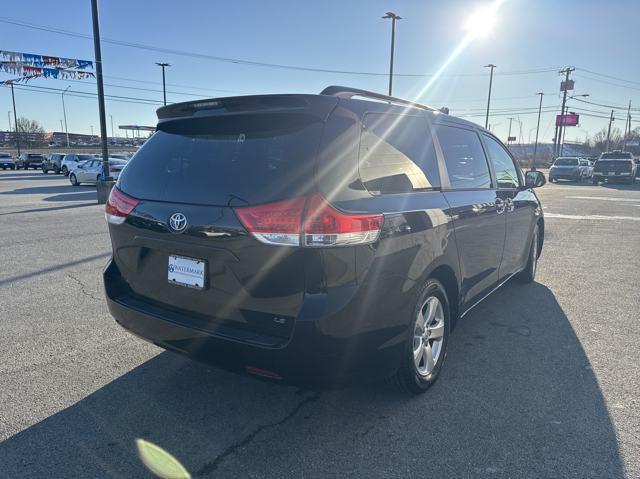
x=164 y=87
x=393 y=18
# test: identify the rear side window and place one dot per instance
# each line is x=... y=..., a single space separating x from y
x=397 y=154
x=464 y=157
x=232 y=159
x=506 y=171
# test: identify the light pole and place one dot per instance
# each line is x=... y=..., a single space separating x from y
x=104 y=185
x=393 y=18
x=509 y=134
x=564 y=112
x=112 y=135
x=64 y=112
x=492 y=66
x=164 y=88
x=611 y=120
x=15 y=119
x=535 y=148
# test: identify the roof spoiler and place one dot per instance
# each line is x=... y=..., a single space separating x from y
x=348 y=92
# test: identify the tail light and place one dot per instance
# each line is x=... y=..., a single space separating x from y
x=119 y=206
x=310 y=221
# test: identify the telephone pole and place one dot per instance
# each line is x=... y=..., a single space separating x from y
x=611 y=120
x=393 y=18
x=15 y=120
x=627 y=125
x=559 y=128
x=492 y=66
x=535 y=148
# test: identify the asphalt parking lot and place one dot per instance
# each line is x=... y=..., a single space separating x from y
x=541 y=380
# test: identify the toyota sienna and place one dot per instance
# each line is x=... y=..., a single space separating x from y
x=316 y=239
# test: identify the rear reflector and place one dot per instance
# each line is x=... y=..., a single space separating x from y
x=310 y=221
x=265 y=373
x=119 y=206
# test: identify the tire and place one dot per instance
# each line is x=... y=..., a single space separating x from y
x=73 y=180
x=45 y=171
x=65 y=170
x=56 y=170
x=595 y=181
x=528 y=274
x=416 y=376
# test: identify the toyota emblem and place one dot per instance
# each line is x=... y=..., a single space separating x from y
x=177 y=222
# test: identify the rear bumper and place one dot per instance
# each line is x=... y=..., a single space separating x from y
x=309 y=358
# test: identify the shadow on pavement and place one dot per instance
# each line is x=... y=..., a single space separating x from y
x=77 y=195
x=51 y=208
x=30 y=177
x=43 y=190
x=51 y=269
x=517 y=398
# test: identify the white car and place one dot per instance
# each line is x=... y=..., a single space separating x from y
x=72 y=160
x=90 y=171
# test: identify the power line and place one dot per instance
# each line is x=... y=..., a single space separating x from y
x=609 y=76
x=606 y=82
x=240 y=61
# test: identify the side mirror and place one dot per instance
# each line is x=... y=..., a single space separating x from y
x=534 y=179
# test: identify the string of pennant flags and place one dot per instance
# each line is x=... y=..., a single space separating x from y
x=30 y=66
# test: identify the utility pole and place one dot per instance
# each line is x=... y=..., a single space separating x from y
x=112 y=135
x=64 y=112
x=559 y=129
x=492 y=66
x=627 y=124
x=393 y=18
x=509 y=134
x=104 y=185
x=9 y=117
x=164 y=87
x=15 y=120
x=535 y=148
x=611 y=120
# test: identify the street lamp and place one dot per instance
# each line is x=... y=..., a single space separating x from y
x=64 y=112
x=393 y=18
x=535 y=148
x=492 y=66
x=564 y=112
x=164 y=88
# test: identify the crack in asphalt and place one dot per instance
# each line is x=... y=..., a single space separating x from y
x=83 y=287
x=210 y=467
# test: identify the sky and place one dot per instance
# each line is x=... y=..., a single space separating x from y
x=530 y=42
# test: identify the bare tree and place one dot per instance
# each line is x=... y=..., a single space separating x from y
x=32 y=134
x=599 y=140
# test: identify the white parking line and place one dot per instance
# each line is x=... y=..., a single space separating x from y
x=605 y=198
x=591 y=217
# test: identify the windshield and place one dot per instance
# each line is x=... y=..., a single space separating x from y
x=566 y=162
x=616 y=156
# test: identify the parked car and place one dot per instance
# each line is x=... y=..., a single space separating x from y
x=53 y=162
x=29 y=160
x=567 y=168
x=637 y=167
x=6 y=161
x=316 y=238
x=71 y=160
x=615 y=166
x=90 y=171
x=587 y=168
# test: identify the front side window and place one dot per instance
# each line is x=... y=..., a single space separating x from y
x=506 y=171
x=463 y=154
x=397 y=155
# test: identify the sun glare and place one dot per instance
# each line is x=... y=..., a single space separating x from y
x=483 y=20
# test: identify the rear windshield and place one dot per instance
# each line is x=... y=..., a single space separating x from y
x=35 y=155
x=616 y=156
x=226 y=160
x=566 y=162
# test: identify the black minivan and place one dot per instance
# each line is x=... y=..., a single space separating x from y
x=316 y=239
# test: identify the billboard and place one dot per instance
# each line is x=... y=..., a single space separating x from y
x=567 y=120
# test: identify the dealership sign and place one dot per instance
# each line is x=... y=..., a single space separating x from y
x=567 y=120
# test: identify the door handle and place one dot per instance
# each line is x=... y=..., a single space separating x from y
x=501 y=205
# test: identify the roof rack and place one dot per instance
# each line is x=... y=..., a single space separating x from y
x=348 y=92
